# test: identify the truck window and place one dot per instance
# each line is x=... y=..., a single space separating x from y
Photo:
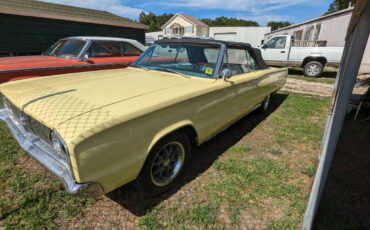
x=276 y=43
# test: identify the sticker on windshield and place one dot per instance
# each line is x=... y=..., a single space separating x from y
x=209 y=71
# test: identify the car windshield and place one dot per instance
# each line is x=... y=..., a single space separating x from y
x=197 y=60
x=66 y=48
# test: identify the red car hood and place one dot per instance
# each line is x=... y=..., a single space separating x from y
x=30 y=62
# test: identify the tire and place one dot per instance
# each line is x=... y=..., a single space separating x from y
x=265 y=104
x=313 y=69
x=159 y=174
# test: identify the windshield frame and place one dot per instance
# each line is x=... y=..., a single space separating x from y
x=216 y=73
x=80 y=54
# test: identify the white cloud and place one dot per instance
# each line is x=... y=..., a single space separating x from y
x=113 y=6
x=254 y=6
x=261 y=11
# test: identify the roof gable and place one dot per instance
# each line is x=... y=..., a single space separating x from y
x=189 y=18
x=39 y=9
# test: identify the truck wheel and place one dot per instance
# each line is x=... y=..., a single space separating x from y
x=313 y=69
x=165 y=164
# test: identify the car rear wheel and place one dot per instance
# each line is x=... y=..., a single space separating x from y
x=313 y=69
x=165 y=164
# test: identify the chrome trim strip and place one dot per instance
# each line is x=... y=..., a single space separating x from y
x=44 y=153
x=65 y=67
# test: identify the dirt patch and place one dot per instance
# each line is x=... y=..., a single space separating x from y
x=30 y=165
x=313 y=88
x=104 y=214
x=223 y=217
x=316 y=88
x=259 y=217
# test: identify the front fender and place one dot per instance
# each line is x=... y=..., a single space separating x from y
x=167 y=130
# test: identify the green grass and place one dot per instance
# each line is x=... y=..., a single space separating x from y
x=301 y=120
x=240 y=149
x=327 y=76
x=271 y=189
x=311 y=169
x=23 y=205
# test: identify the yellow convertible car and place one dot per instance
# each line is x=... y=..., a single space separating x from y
x=100 y=130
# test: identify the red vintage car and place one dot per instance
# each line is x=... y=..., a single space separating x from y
x=73 y=54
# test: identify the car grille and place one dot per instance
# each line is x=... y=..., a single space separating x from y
x=29 y=123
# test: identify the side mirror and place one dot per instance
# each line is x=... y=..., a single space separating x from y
x=85 y=58
x=226 y=73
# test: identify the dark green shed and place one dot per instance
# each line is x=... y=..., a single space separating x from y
x=30 y=27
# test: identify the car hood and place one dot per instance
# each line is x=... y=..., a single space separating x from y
x=31 y=62
x=56 y=99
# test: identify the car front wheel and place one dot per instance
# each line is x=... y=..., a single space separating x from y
x=165 y=164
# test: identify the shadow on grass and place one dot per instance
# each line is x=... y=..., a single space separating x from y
x=325 y=73
x=345 y=203
x=202 y=158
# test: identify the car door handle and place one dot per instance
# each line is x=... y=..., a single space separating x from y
x=283 y=52
x=255 y=82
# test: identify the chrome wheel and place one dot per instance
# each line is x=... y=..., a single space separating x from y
x=167 y=163
x=313 y=69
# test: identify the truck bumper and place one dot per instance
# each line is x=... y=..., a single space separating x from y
x=46 y=155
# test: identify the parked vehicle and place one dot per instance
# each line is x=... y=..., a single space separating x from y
x=100 y=130
x=278 y=51
x=73 y=54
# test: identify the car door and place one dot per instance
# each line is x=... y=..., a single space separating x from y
x=244 y=80
x=112 y=54
x=275 y=49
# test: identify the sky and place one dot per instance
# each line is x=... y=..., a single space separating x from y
x=262 y=11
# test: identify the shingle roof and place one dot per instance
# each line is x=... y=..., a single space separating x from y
x=194 y=20
x=62 y=12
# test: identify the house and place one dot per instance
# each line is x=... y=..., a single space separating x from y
x=185 y=25
x=328 y=30
x=30 y=27
x=253 y=35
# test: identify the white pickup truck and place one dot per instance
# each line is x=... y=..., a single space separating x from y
x=282 y=51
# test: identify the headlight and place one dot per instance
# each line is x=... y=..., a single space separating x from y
x=57 y=142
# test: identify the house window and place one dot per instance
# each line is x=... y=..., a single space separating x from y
x=168 y=30
x=189 y=29
x=317 y=32
x=308 y=33
x=298 y=35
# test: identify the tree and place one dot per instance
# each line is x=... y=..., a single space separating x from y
x=155 y=22
x=338 y=5
x=278 y=25
x=224 y=21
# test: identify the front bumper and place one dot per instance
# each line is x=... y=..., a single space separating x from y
x=47 y=156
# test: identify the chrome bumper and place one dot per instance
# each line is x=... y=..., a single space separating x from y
x=46 y=155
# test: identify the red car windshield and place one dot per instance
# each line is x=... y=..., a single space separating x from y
x=66 y=48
